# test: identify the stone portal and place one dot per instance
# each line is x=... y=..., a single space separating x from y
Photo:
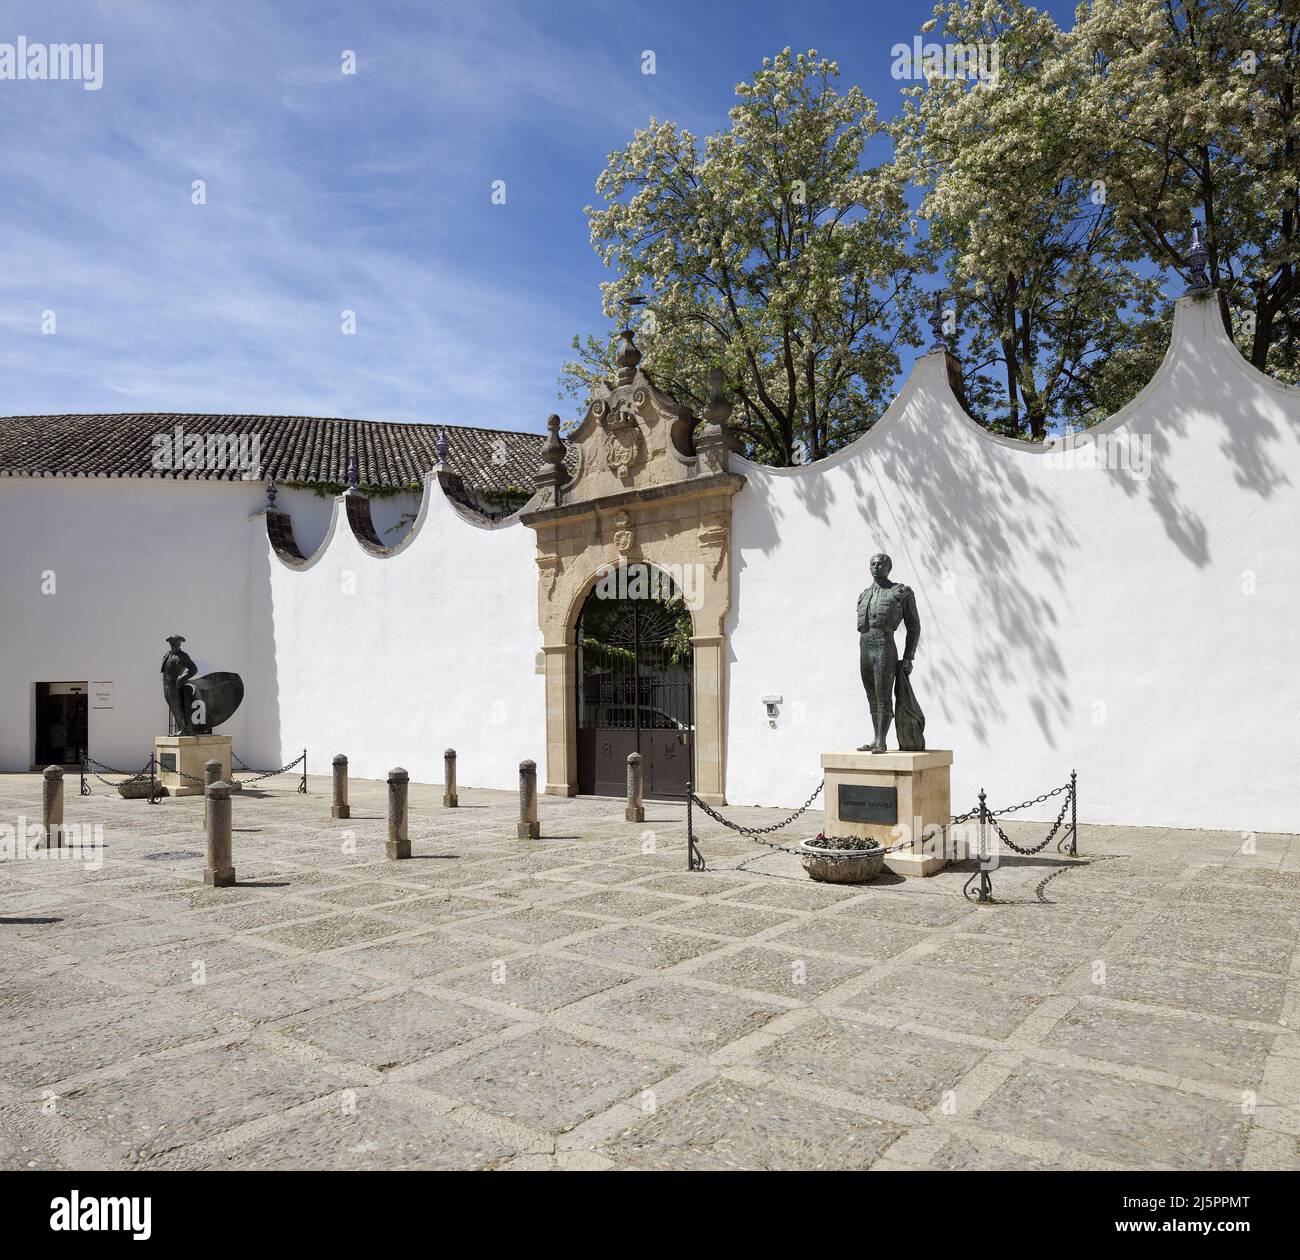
x=637 y=485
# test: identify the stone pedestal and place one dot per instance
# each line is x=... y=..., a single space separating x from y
x=891 y=797
x=182 y=760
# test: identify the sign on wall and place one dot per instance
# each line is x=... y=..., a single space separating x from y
x=101 y=695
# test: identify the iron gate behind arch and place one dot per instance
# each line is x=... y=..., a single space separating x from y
x=634 y=678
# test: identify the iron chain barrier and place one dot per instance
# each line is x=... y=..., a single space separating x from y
x=1056 y=826
x=980 y=812
x=149 y=773
x=270 y=774
x=89 y=764
x=757 y=831
x=988 y=816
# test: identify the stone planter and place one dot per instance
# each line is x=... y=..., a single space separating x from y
x=854 y=865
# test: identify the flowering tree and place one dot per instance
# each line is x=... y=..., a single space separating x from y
x=1058 y=198
x=1197 y=103
x=770 y=249
x=1056 y=320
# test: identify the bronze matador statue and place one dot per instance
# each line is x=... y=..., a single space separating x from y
x=177 y=669
x=881 y=608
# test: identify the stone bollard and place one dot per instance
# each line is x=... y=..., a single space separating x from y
x=220 y=870
x=52 y=808
x=449 y=798
x=635 y=811
x=529 y=827
x=340 y=808
x=399 y=838
x=211 y=775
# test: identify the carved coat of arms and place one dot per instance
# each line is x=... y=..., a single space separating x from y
x=623 y=442
x=624 y=535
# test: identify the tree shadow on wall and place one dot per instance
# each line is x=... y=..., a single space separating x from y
x=958 y=508
x=1255 y=418
x=966 y=507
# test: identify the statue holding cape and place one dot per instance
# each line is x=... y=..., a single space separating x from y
x=882 y=608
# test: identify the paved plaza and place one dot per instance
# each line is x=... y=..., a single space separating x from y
x=583 y=1002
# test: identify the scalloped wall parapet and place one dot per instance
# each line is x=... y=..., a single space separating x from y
x=656 y=448
x=353 y=509
x=1134 y=621
x=392 y=653
x=1123 y=603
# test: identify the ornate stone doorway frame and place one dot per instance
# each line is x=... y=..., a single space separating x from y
x=636 y=484
x=682 y=528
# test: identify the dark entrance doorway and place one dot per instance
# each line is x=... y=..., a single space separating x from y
x=634 y=685
x=60 y=724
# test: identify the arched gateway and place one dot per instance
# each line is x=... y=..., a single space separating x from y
x=639 y=492
x=635 y=686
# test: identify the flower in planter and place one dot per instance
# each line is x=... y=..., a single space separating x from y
x=855 y=844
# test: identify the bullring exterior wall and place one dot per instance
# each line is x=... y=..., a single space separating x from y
x=394 y=658
x=1142 y=629
x=1136 y=623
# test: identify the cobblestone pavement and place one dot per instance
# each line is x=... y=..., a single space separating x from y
x=584 y=1002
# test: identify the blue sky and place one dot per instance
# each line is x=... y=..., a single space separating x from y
x=369 y=193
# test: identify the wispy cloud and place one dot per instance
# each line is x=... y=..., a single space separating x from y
x=327 y=192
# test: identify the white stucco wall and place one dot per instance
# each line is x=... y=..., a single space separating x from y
x=435 y=648
x=1138 y=628
x=1142 y=631
x=133 y=560
x=392 y=659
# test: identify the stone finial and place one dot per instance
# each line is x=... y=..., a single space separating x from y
x=550 y=472
x=716 y=440
x=553 y=450
x=937 y=340
x=442 y=447
x=718 y=412
x=353 y=474
x=627 y=358
x=1198 y=258
x=271 y=491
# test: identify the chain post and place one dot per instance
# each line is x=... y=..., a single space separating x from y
x=690 y=827
x=83 y=790
x=986 y=888
x=153 y=779
x=302 y=787
x=1074 y=813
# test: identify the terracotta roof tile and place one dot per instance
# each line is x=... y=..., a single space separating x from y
x=292 y=448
